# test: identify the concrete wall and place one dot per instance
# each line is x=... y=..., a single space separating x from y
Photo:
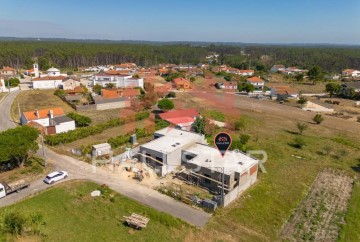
x=112 y=105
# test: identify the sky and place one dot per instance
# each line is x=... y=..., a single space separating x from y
x=251 y=21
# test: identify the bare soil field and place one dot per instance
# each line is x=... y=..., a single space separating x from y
x=320 y=215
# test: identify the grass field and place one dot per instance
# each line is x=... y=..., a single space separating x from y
x=71 y=214
x=37 y=99
x=262 y=211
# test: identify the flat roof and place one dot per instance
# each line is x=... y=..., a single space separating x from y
x=210 y=157
x=103 y=145
x=172 y=139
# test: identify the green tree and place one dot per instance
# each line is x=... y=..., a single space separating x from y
x=171 y=95
x=318 y=118
x=315 y=74
x=97 y=89
x=301 y=127
x=44 y=63
x=299 y=77
x=247 y=87
x=192 y=79
x=110 y=85
x=166 y=104
x=244 y=138
x=199 y=125
x=350 y=93
x=80 y=120
x=332 y=88
x=17 y=145
x=302 y=101
x=12 y=82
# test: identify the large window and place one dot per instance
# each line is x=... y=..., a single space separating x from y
x=207 y=181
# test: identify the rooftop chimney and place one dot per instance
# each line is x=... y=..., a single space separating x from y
x=51 y=114
x=37 y=113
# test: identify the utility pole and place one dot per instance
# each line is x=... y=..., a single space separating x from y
x=43 y=149
x=222 y=183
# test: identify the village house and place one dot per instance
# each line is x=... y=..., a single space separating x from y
x=8 y=71
x=48 y=82
x=283 y=92
x=118 y=80
x=277 y=68
x=246 y=72
x=182 y=83
x=70 y=84
x=126 y=66
x=351 y=73
x=257 y=82
x=181 y=119
x=52 y=121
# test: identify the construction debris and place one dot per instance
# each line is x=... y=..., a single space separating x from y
x=136 y=221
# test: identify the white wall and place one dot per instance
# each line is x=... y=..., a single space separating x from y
x=47 y=84
x=65 y=127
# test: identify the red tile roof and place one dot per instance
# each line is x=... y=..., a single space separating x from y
x=8 y=68
x=131 y=92
x=189 y=113
x=245 y=71
x=182 y=120
x=284 y=90
x=111 y=93
x=255 y=79
x=49 y=78
x=181 y=80
x=43 y=113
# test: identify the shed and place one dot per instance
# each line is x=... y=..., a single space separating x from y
x=101 y=149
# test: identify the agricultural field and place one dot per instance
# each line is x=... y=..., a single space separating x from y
x=68 y=213
x=321 y=214
x=37 y=99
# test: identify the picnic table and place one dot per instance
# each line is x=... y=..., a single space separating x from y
x=136 y=221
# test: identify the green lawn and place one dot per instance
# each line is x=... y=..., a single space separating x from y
x=71 y=214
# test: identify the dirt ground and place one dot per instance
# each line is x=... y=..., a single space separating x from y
x=321 y=214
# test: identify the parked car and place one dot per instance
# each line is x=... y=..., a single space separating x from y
x=55 y=176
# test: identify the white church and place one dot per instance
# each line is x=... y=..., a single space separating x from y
x=51 y=80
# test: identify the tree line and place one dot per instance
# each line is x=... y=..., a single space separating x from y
x=21 y=54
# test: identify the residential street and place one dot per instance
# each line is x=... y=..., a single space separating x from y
x=5 y=117
x=81 y=170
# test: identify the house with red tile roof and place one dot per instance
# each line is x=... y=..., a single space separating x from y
x=283 y=92
x=182 y=83
x=182 y=119
x=53 y=120
x=118 y=93
x=277 y=68
x=351 y=73
x=8 y=71
x=257 y=82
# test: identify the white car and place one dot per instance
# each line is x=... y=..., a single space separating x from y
x=55 y=176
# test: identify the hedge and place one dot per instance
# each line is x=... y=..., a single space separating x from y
x=81 y=133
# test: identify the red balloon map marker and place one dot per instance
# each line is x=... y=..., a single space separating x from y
x=222 y=141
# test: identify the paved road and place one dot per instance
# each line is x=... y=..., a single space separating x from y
x=5 y=116
x=81 y=170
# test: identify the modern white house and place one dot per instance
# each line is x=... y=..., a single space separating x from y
x=204 y=165
x=164 y=152
x=126 y=66
x=257 y=82
x=119 y=80
x=52 y=121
